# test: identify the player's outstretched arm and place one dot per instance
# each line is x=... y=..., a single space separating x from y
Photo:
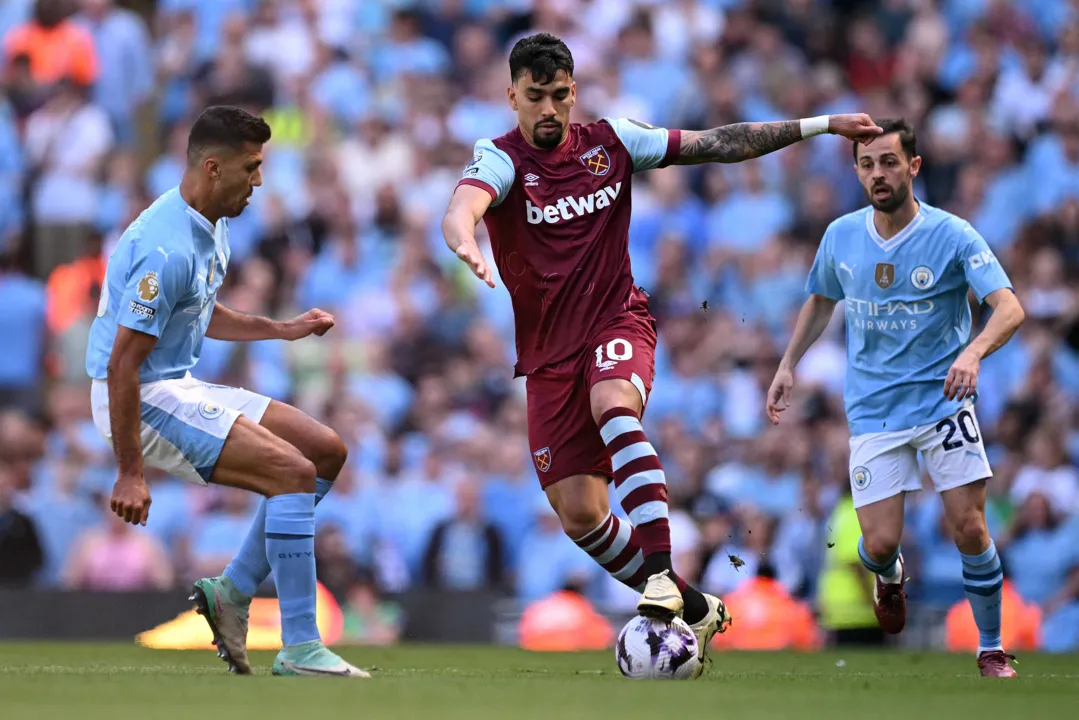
x=130 y=496
x=812 y=319
x=1008 y=315
x=466 y=209
x=744 y=141
x=235 y=326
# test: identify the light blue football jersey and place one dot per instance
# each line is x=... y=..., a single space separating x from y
x=906 y=310
x=162 y=279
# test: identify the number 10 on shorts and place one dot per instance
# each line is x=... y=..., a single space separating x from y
x=616 y=350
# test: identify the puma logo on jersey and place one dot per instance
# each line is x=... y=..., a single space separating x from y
x=568 y=208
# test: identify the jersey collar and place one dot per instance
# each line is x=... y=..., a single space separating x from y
x=900 y=237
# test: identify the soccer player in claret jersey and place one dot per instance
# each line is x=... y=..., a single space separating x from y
x=158 y=301
x=555 y=197
x=903 y=269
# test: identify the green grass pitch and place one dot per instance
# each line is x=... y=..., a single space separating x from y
x=114 y=681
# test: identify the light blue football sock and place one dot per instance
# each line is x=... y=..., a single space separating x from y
x=888 y=570
x=983 y=579
x=250 y=568
x=290 y=547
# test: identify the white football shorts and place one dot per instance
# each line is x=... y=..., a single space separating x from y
x=185 y=422
x=886 y=463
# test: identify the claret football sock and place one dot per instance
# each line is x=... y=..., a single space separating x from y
x=250 y=568
x=614 y=545
x=641 y=487
x=638 y=479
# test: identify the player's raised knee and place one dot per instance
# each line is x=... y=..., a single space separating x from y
x=330 y=453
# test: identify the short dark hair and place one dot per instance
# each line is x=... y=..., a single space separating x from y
x=541 y=54
x=224 y=126
x=908 y=140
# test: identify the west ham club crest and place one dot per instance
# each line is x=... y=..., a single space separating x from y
x=543 y=459
x=597 y=161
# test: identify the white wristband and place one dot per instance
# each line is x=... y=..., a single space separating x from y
x=814 y=126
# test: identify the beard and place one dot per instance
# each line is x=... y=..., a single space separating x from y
x=891 y=202
x=550 y=137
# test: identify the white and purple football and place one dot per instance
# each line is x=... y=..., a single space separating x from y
x=652 y=649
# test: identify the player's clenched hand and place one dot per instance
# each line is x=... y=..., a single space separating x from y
x=312 y=322
x=131 y=499
x=471 y=255
x=856 y=126
x=962 y=380
x=779 y=395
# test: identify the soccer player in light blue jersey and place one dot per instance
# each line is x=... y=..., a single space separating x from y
x=903 y=270
x=158 y=302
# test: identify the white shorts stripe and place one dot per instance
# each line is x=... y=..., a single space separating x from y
x=631 y=453
x=648 y=477
x=619 y=426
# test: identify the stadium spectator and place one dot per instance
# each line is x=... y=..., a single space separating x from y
x=464 y=552
x=57 y=48
x=769 y=618
x=22 y=364
x=126 y=68
x=66 y=144
x=116 y=558
x=21 y=553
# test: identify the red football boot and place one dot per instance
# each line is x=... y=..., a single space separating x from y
x=994 y=663
x=890 y=602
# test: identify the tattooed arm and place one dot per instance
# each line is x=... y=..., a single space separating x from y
x=745 y=141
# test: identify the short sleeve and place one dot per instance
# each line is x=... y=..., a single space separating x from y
x=984 y=274
x=650 y=147
x=156 y=280
x=490 y=169
x=822 y=277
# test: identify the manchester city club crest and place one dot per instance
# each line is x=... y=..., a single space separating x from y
x=922 y=278
x=209 y=410
x=597 y=161
x=860 y=477
x=884 y=275
x=543 y=459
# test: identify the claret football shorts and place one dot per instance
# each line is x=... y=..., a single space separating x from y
x=561 y=432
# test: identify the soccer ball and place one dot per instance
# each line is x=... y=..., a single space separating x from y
x=652 y=649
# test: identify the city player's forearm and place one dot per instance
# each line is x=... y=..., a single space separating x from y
x=737 y=142
x=1007 y=316
x=235 y=326
x=813 y=318
x=125 y=417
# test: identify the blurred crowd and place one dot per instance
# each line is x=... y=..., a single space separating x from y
x=374 y=106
